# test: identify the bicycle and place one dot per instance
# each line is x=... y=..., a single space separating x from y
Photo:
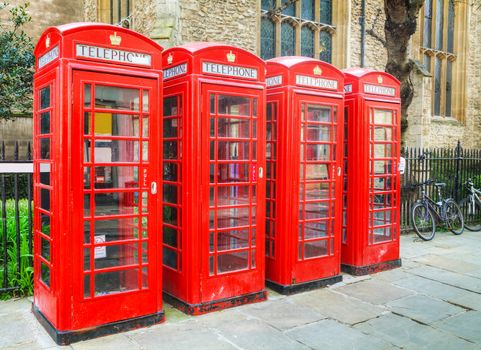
x=425 y=209
x=471 y=207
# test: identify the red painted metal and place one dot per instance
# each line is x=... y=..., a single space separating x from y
x=96 y=91
x=372 y=182
x=214 y=190
x=305 y=102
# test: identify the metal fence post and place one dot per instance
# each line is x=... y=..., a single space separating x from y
x=457 y=169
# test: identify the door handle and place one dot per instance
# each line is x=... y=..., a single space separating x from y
x=261 y=172
x=153 y=187
x=339 y=171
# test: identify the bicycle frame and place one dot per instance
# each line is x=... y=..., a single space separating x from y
x=438 y=208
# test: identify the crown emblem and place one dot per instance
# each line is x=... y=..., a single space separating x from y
x=379 y=79
x=231 y=56
x=47 y=41
x=115 y=39
x=317 y=70
x=170 y=58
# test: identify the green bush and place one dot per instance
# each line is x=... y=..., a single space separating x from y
x=24 y=279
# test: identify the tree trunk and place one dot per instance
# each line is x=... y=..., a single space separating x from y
x=400 y=25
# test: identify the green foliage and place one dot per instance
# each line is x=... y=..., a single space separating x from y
x=24 y=280
x=16 y=62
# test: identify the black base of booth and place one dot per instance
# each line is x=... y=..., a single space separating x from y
x=215 y=305
x=302 y=287
x=68 y=337
x=368 y=269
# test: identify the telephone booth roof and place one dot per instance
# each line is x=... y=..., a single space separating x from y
x=230 y=62
x=103 y=43
x=371 y=82
x=305 y=72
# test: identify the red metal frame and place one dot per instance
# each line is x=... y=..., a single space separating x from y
x=372 y=182
x=95 y=242
x=305 y=102
x=213 y=171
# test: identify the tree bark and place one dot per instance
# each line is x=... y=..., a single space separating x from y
x=401 y=24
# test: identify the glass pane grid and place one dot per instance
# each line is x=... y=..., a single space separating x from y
x=232 y=210
x=271 y=157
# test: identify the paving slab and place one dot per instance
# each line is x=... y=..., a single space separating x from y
x=466 y=325
x=374 y=291
x=408 y=334
x=424 y=309
x=255 y=334
x=282 y=314
x=448 y=277
x=180 y=336
x=442 y=291
x=392 y=275
x=448 y=263
x=332 y=335
x=338 y=306
x=111 y=342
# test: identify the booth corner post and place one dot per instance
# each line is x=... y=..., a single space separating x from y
x=214 y=177
x=371 y=232
x=305 y=104
x=96 y=206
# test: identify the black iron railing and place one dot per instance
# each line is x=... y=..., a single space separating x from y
x=16 y=240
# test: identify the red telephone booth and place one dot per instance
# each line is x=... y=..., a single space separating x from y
x=96 y=91
x=213 y=190
x=370 y=240
x=305 y=101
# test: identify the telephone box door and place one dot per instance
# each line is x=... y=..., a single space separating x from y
x=319 y=179
x=232 y=160
x=115 y=193
x=384 y=141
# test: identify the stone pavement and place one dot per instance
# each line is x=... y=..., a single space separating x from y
x=432 y=302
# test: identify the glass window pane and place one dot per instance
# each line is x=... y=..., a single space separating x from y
x=145 y=101
x=170 y=150
x=116 y=229
x=115 y=255
x=314 y=249
x=45 y=148
x=170 y=215
x=44 y=173
x=315 y=229
x=318 y=152
x=45 y=273
x=116 y=203
x=233 y=127
x=232 y=239
x=45 y=123
x=87 y=95
x=449 y=88
x=228 y=150
x=232 y=195
x=169 y=236
x=169 y=257
x=45 y=249
x=439 y=24
x=171 y=106
x=169 y=193
x=326 y=11
x=45 y=97
x=307 y=41
x=383 y=116
x=232 y=261
x=307 y=9
x=109 y=124
x=170 y=127
x=325 y=46
x=232 y=217
x=290 y=9
x=111 y=151
x=268 y=39
x=428 y=18
x=170 y=171
x=45 y=224
x=116 y=282
x=317 y=172
x=116 y=177
x=233 y=105
x=238 y=172
x=437 y=86
x=288 y=39
x=382 y=133
x=318 y=114
x=318 y=133
x=382 y=234
x=45 y=199
x=116 y=98
x=382 y=150
x=268 y=4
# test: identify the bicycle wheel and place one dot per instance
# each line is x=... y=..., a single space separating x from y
x=423 y=221
x=471 y=213
x=454 y=217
